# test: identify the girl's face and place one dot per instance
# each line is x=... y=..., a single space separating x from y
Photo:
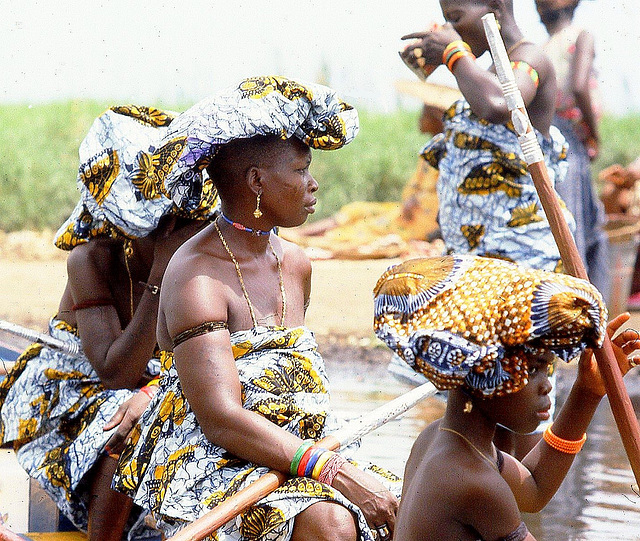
x=288 y=187
x=525 y=409
x=466 y=18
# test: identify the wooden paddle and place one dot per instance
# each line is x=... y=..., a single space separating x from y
x=252 y=493
x=618 y=397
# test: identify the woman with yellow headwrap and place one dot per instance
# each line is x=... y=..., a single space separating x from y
x=243 y=388
x=67 y=415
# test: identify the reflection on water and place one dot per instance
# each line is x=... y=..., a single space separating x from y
x=597 y=501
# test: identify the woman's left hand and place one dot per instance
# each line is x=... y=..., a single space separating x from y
x=625 y=345
x=125 y=419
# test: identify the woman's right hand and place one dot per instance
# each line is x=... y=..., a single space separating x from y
x=377 y=504
x=431 y=44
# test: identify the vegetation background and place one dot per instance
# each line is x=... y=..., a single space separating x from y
x=39 y=159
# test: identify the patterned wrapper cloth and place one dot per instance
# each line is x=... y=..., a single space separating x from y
x=53 y=406
x=52 y=409
x=471 y=321
x=488 y=202
x=170 y=468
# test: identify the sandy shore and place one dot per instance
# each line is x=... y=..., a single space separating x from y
x=33 y=275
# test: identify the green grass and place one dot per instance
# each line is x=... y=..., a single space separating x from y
x=39 y=159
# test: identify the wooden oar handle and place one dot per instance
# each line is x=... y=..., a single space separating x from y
x=618 y=397
x=254 y=492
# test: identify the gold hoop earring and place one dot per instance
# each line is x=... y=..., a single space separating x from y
x=257 y=213
x=468 y=406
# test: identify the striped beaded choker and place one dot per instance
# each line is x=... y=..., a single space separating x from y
x=256 y=232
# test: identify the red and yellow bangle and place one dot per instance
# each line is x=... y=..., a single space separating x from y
x=149 y=391
x=564 y=446
x=455 y=51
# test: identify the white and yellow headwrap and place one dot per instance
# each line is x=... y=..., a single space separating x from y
x=118 y=179
x=257 y=106
x=138 y=164
x=471 y=321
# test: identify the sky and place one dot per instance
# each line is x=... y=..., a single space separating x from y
x=163 y=52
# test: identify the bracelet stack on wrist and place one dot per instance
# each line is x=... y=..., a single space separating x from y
x=455 y=51
x=316 y=462
x=564 y=446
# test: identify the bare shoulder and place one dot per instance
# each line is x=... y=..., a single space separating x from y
x=295 y=256
x=455 y=495
x=193 y=288
x=534 y=55
x=95 y=254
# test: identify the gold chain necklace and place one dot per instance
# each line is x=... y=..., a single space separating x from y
x=244 y=289
x=127 y=247
x=493 y=463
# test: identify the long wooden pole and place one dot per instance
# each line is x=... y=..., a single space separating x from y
x=270 y=481
x=618 y=397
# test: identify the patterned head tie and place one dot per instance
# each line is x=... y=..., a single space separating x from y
x=472 y=321
x=257 y=106
x=119 y=179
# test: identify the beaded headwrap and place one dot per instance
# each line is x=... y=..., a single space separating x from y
x=472 y=321
x=118 y=177
x=257 y=106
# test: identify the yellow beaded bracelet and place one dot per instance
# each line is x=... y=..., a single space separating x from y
x=564 y=446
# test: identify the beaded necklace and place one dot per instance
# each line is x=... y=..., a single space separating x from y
x=244 y=289
x=241 y=227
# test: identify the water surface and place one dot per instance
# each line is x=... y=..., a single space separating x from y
x=598 y=499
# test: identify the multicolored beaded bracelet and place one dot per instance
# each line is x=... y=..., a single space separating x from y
x=564 y=446
x=455 y=51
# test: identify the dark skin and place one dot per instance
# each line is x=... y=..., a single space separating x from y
x=453 y=493
x=481 y=88
x=201 y=284
x=554 y=21
x=117 y=345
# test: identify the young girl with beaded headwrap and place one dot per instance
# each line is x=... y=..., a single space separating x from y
x=243 y=388
x=487 y=331
x=67 y=415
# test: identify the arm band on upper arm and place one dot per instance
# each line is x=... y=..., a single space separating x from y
x=203 y=328
x=91 y=303
x=522 y=65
